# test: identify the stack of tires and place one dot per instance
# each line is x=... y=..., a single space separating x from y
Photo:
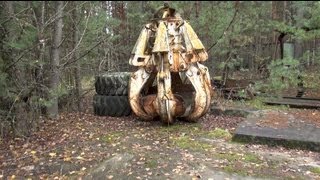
x=112 y=94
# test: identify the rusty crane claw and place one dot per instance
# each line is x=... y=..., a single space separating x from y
x=169 y=54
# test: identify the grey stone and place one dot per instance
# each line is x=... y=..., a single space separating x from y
x=110 y=167
x=298 y=134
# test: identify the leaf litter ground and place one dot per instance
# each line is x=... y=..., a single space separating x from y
x=81 y=145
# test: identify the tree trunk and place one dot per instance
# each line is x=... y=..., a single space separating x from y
x=118 y=11
x=54 y=78
x=197 y=8
x=298 y=51
x=39 y=68
x=77 y=76
x=281 y=44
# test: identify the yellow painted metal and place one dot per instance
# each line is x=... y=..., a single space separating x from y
x=161 y=43
x=176 y=48
x=191 y=38
x=138 y=55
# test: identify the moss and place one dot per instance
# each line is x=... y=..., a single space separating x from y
x=151 y=163
x=185 y=142
x=315 y=170
x=231 y=169
x=257 y=103
x=171 y=128
x=299 y=177
x=248 y=157
x=220 y=133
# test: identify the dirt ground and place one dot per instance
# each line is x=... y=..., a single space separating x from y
x=84 y=146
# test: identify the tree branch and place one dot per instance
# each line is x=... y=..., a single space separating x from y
x=11 y=17
x=80 y=40
x=221 y=36
x=84 y=54
x=24 y=52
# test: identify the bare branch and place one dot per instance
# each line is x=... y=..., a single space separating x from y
x=80 y=40
x=54 y=17
x=231 y=22
x=84 y=54
x=11 y=17
x=21 y=56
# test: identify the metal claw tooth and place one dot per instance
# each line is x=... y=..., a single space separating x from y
x=202 y=94
x=189 y=73
x=137 y=82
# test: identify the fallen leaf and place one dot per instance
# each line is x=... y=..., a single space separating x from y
x=28 y=168
x=52 y=154
x=33 y=152
x=67 y=159
x=80 y=158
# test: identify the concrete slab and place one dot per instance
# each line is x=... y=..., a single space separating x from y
x=295 y=102
x=278 y=128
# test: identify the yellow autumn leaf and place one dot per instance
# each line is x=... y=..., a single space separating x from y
x=52 y=154
x=33 y=152
x=80 y=158
x=67 y=159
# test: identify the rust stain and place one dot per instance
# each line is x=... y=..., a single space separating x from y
x=166 y=46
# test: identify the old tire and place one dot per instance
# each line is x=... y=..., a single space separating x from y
x=115 y=106
x=112 y=84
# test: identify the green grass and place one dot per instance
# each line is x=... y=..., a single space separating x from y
x=315 y=170
x=219 y=133
x=252 y=158
x=151 y=163
x=238 y=164
x=257 y=103
x=231 y=169
x=232 y=157
x=186 y=142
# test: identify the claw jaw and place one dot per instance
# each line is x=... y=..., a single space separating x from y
x=167 y=55
x=137 y=81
